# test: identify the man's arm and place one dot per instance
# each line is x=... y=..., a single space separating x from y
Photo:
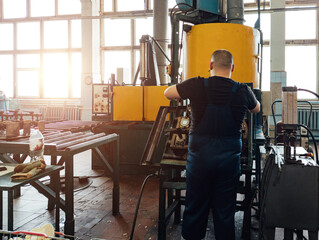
x=256 y=109
x=172 y=93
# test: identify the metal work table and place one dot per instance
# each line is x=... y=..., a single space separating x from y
x=72 y=125
x=65 y=145
x=7 y=185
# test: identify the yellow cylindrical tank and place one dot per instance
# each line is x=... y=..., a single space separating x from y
x=242 y=41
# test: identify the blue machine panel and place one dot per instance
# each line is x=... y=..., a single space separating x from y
x=211 y=6
x=183 y=7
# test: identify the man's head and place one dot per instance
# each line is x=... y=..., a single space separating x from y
x=221 y=63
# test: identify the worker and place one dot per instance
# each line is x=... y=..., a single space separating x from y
x=218 y=107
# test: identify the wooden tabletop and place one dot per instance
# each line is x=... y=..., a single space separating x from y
x=6 y=183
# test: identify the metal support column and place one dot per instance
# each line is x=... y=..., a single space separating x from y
x=160 y=31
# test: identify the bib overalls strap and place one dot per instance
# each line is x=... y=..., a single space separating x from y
x=212 y=171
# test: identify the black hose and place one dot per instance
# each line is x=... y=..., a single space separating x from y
x=264 y=189
x=138 y=203
x=274 y=118
x=306 y=90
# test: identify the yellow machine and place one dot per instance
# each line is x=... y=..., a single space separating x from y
x=128 y=104
x=242 y=41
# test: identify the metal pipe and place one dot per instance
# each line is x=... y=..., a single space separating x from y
x=235 y=11
x=160 y=35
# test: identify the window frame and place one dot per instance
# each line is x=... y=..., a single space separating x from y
x=41 y=51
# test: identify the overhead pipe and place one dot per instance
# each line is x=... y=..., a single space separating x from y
x=235 y=11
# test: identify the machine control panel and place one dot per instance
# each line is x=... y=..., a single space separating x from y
x=101 y=99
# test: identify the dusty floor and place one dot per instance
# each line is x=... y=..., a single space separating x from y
x=93 y=213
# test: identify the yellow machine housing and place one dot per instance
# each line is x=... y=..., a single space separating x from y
x=242 y=41
x=128 y=102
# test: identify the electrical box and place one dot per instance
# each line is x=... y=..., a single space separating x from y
x=292 y=199
x=101 y=99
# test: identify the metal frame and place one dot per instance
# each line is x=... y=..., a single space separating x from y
x=67 y=153
x=10 y=187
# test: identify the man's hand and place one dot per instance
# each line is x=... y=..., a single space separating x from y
x=171 y=93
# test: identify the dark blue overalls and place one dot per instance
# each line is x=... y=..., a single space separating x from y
x=212 y=172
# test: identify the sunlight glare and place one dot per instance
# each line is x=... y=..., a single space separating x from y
x=28 y=35
x=56 y=34
x=55 y=75
x=28 y=83
x=14 y=8
x=41 y=8
x=6 y=74
x=69 y=7
x=6 y=40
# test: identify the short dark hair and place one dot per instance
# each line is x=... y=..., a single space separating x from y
x=222 y=58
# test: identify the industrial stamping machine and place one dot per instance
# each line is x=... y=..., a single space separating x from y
x=207 y=28
x=290 y=180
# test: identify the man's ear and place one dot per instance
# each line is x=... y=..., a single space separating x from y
x=232 y=68
x=211 y=65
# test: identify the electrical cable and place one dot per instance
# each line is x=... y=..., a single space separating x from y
x=184 y=4
x=161 y=49
x=306 y=90
x=274 y=118
x=314 y=140
x=264 y=190
x=138 y=203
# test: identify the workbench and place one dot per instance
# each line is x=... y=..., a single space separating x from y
x=72 y=125
x=7 y=185
x=65 y=145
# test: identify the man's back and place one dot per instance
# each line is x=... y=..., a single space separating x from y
x=219 y=91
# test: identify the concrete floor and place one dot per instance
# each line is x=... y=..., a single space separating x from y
x=93 y=213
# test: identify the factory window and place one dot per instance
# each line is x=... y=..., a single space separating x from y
x=14 y=8
x=250 y=20
x=108 y=5
x=28 y=83
x=137 y=56
x=28 y=35
x=28 y=75
x=265 y=85
x=41 y=8
x=6 y=74
x=76 y=34
x=56 y=34
x=143 y=26
x=114 y=60
x=55 y=75
x=124 y=5
x=69 y=7
x=301 y=62
x=6 y=39
x=117 y=32
x=28 y=61
x=76 y=74
x=301 y=24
